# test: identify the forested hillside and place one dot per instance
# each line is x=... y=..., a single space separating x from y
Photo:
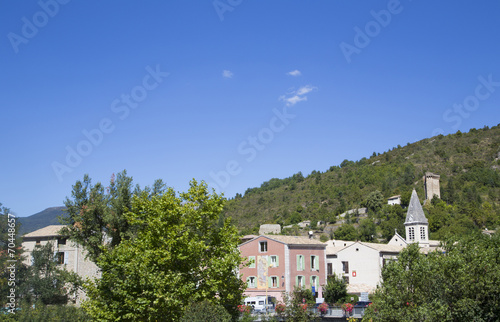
x=468 y=164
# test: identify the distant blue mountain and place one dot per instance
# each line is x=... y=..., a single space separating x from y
x=41 y=219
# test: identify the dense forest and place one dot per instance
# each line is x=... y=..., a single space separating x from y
x=468 y=164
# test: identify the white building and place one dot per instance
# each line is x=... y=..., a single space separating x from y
x=360 y=264
x=394 y=200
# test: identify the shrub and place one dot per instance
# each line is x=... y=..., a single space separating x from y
x=206 y=311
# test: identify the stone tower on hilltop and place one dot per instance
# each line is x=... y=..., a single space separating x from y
x=431 y=184
x=416 y=225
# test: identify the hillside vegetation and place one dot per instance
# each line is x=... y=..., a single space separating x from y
x=41 y=219
x=468 y=164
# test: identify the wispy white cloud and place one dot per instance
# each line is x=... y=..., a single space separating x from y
x=290 y=101
x=295 y=72
x=293 y=97
x=227 y=73
x=305 y=89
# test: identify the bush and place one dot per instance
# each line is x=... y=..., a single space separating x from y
x=324 y=238
x=48 y=313
x=206 y=311
x=335 y=289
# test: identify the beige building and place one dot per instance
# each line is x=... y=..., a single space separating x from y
x=269 y=229
x=69 y=255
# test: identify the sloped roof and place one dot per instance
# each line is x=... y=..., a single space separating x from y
x=49 y=231
x=334 y=246
x=290 y=240
x=377 y=247
x=415 y=214
x=296 y=240
x=384 y=247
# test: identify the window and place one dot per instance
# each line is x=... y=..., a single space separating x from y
x=274 y=261
x=411 y=233
x=422 y=233
x=61 y=241
x=300 y=263
x=345 y=267
x=38 y=242
x=329 y=269
x=300 y=281
x=274 y=281
x=314 y=282
x=263 y=246
x=251 y=260
x=346 y=279
x=251 y=282
x=314 y=263
x=60 y=258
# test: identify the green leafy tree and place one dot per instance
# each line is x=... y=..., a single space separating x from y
x=297 y=306
x=335 y=289
x=10 y=255
x=367 y=231
x=459 y=283
x=346 y=232
x=96 y=215
x=46 y=281
x=179 y=257
x=374 y=201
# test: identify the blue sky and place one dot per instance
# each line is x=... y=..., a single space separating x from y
x=233 y=92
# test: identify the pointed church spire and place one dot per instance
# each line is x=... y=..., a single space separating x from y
x=415 y=214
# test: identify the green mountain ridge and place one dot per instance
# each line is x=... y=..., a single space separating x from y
x=41 y=219
x=468 y=164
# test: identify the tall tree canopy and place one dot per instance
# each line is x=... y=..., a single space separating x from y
x=458 y=284
x=179 y=256
x=96 y=214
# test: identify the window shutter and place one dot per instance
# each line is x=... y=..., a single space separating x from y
x=277 y=281
x=66 y=258
x=297 y=280
x=277 y=261
x=269 y=281
x=316 y=262
x=248 y=282
x=299 y=266
x=311 y=281
x=303 y=261
x=268 y=261
x=252 y=260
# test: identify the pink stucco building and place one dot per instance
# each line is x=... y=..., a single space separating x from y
x=279 y=263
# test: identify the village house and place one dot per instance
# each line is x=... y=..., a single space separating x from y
x=360 y=264
x=280 y=263
x=68 y=254
x=394 y=200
